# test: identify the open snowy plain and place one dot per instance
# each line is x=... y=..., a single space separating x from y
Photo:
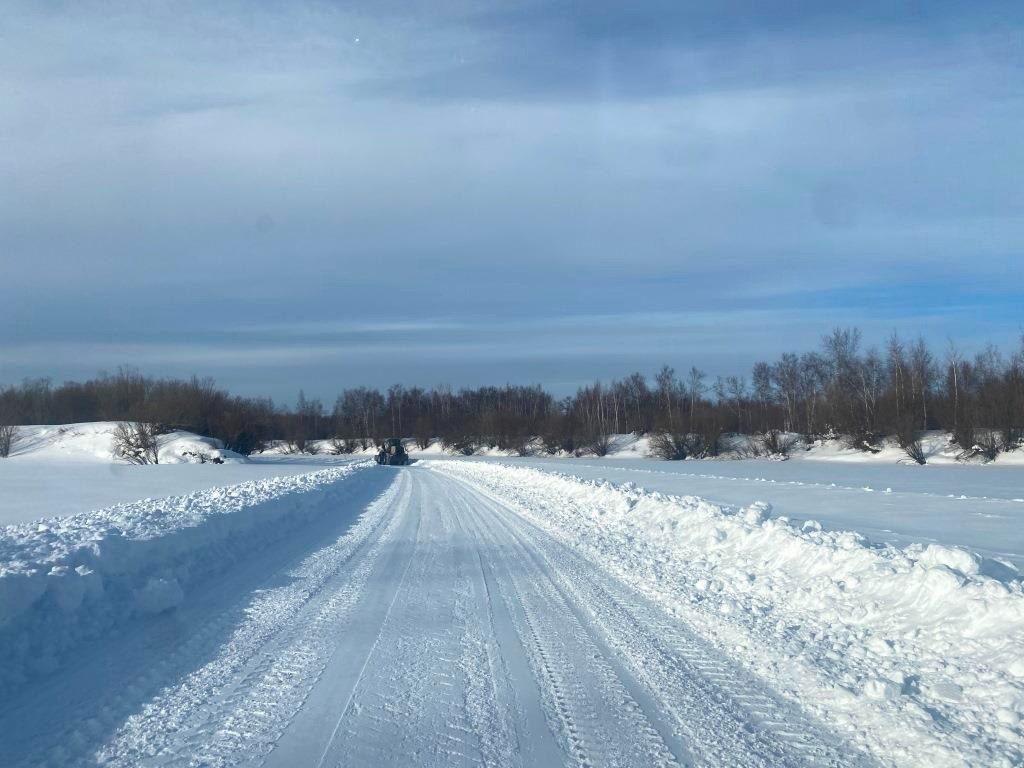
x=327 y=611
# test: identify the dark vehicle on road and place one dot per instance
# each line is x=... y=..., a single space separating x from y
x=392 y=452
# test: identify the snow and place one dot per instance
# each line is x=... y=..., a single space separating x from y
x=938 y=447
x=911 y=653
x=92 y=442
x=977 y=507
x=423 y=622
x=68 y=469
x=303 y=610
x=65 y=580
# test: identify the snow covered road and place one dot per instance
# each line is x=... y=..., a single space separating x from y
x=488 y=643
x=420 y=617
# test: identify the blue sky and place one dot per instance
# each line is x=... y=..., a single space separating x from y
x=331 y=194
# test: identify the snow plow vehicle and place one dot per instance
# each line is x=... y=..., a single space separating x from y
x=392 y=451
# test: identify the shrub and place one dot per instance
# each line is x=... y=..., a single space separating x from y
x=915 y=451
x=599 y=445
x=337 y=446
x=8 y=437
x=988 y=444
x=963 y=435
x=862 y=440
x=522 y=445
x=463 y=445
x=670 y=446
x=777 y=443
x=137 y=442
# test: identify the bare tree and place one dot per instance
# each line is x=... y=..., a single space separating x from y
x=761 y=381
x=695 y=390
x=667 y=386
x=8 y=437
x=736 y=395
x=137 y=442
x=598 y=444
x=423 y=431
x=776 y=443
x=915 y=451
x=669 y=445
x=922 y=378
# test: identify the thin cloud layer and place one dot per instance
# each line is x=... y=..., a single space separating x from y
x=174 y=177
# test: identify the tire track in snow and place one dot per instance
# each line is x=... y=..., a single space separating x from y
x=591 y=709
x=72 y=718
x=423 y=697
x=724 y=715
x=233 y=708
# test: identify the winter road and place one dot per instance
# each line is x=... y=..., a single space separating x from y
x=428 y=625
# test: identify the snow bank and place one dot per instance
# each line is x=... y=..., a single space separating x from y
x=94 y=442
x=912 y=652
x=938 y=450
x=65 y=580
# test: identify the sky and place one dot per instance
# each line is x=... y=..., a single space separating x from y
x=323 y=194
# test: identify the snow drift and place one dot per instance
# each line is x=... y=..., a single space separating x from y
x=70 y=579
x=912 y=653
x=94 y=442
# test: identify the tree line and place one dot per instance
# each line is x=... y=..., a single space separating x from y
x=841 y=390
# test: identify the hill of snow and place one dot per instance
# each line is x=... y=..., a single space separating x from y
x=94 y=442
x=61 y=470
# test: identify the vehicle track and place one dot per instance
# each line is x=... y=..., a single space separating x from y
x=594 y=713
x=410 y=705
x=444 y=629
x=129 y=697
x=723 y=714
x=233 y=709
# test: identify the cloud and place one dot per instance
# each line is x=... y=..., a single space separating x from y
x=174 y=176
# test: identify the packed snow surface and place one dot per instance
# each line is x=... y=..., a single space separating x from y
x=912 y=653
x=480 y=613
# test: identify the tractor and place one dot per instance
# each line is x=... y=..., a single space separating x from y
x=392 y=451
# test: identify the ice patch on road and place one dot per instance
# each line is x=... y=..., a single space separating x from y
x=912 y=653
x=67 y=580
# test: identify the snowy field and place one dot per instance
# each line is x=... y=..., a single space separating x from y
x=495 y=611
x=978 y=507
x=67 y=469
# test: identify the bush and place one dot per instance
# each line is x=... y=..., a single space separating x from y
x=8 y=437
x=863 y=440
x=137 y=442
x=670 y=446
x=989 y=444
x=711 y=439
x=463 y=445
x=337 y=446
x=742 y=448
x=915 y=451
x=556 y=440
x=963 y=435
x=777 y=443
x=245 y=442
x=522 y=445
x=202 y=457
x=599 y=445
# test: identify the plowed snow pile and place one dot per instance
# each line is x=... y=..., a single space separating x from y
x=70 y=579
x=909 y=652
